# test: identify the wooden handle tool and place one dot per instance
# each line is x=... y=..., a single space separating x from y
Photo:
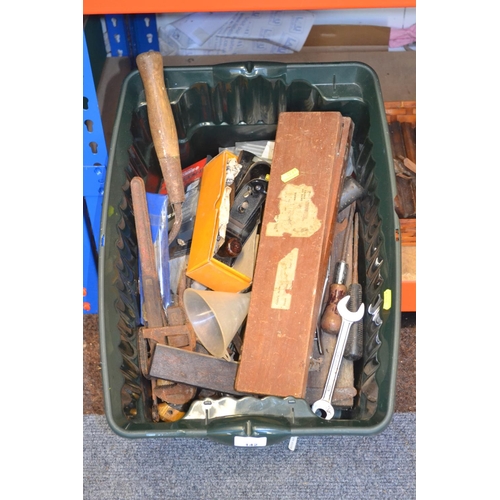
x=163 y=131
x=354 y=345
x=331 y=320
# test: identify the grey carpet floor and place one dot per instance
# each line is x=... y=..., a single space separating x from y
x=332 y=467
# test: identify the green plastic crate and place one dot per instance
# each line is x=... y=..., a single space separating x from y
x=216 y=106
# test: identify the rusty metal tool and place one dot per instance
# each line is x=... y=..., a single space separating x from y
x=163 y=132
x=331 y=320
x=351 y=192
x=153 y=313
x=195 y=368
x=323 y=407
x=318 y=331
x=354 y=346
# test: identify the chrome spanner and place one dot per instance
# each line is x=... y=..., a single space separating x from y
x=323 y=407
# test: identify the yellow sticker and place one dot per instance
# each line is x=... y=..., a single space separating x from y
x=387 y=299
x=291 y=174
x=111 y=211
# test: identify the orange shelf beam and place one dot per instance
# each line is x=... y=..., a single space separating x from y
x=409 y=296
x=100 y=7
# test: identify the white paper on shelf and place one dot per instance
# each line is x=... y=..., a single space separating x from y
x=199 y=27
x=259 y=32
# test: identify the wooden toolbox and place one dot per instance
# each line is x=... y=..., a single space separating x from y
x=309 y=160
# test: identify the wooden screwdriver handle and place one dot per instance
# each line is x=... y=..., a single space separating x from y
x=162 y=123
x=331 y=319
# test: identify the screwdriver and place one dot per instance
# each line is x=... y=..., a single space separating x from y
x=331 y=320
x=354 y=346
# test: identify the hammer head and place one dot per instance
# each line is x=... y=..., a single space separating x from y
x=347 y=315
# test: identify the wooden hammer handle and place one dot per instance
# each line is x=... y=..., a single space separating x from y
x=161 y=123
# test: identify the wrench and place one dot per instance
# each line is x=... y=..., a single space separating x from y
x=374 y=311
x=323 y=407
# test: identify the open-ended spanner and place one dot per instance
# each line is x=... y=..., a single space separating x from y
x=323 y=407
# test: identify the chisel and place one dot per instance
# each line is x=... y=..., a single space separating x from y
x=354 y=346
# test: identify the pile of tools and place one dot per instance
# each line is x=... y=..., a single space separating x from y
x=404 y=151
x=263 y=329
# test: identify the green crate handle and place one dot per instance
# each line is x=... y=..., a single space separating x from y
x=249 y=431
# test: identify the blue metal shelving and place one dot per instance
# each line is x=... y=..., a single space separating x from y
x=128 y=35
x=95 y=160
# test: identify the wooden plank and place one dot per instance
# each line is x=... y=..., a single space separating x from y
x=408 y=232
x=194 y=368
x=397 y=142
x=307 y=174
x=409 y=138
x=410 y=164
